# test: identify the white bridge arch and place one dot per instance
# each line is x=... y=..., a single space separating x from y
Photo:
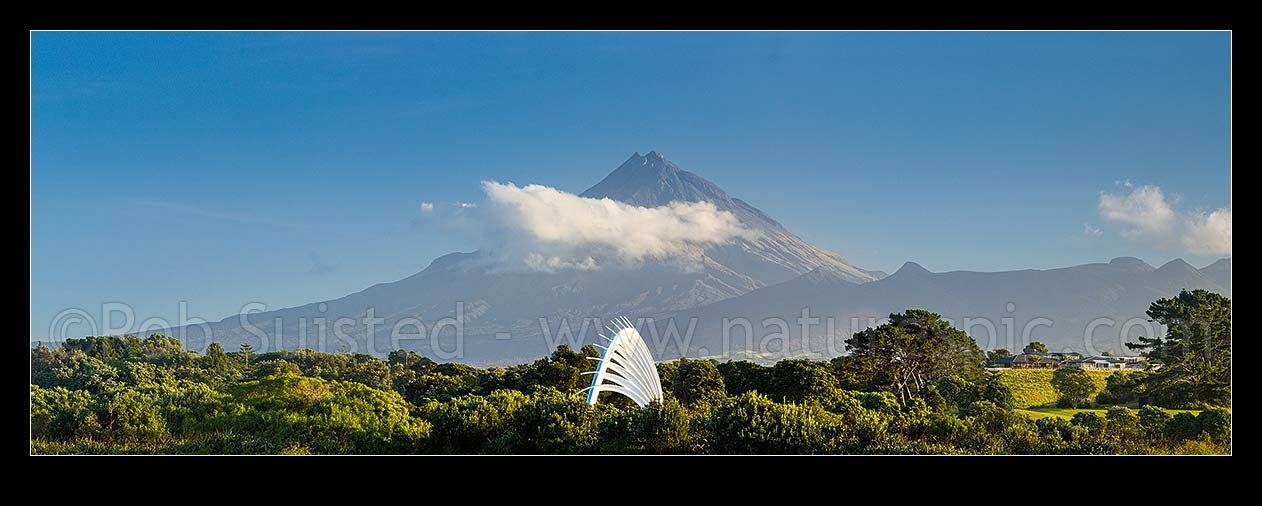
x=626 y=367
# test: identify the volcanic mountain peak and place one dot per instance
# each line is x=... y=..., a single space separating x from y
x=651 y=180
x=778 y=255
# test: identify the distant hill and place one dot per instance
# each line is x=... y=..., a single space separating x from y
x=1068 y=299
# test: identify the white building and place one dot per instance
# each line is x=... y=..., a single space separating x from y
x=1109 y=363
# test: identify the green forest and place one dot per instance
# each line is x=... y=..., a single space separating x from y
x=914 y=385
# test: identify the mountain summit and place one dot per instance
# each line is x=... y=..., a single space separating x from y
x=777 y=255
x=651 y=181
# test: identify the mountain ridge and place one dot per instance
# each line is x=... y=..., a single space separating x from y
x=1070 y=298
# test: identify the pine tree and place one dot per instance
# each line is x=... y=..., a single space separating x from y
x=1195 y=352
x=215 y=357
x=246 y=350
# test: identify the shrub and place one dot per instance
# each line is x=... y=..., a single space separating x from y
x=802 y=380
x=958 y=391
x=744 y=376
x=697 y=383
x=752 y=424
x=466 y=424
x=1122 y=387
x=994 y=390
x=1183 y=426
x=1055 y=430
x=552 y=422
x=1088 y=419
x=61 y=414
x=1197 y=447
x=1122 y=422
x=133 y=415
x=664 y=427
x=1216 y=422
x=1074 y=385
x=1153 y=419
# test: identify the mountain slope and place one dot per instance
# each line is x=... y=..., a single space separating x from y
x=778 y=255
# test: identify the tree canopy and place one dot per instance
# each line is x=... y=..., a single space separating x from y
x=912 y=351
x=1074 y=386
x=1194 y=353
x=1034 y=347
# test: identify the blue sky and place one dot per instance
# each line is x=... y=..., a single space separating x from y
x=284 y=168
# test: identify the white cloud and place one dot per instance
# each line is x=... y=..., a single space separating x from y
x=1091 y=231
x=544 y=229
x=1144 y=209
x=427 y=207
x=1209 y=235
x=1148 y=216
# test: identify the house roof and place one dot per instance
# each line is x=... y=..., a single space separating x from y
x=1025 y=357
x=1107 y=360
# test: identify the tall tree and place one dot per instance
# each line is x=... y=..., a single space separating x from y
x=802 y=380
x=1034 y=347
x=246 y=350
x=994 y=390
x=663 y=427
x=742 y=376
x=215 y=356
x=562 y=370
x=1073 y=384
x=697 y=383
x=1195 y=350
x=957 y=391
x=912 y=351
x=1122 y=387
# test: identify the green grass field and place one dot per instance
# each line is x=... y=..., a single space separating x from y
x=1033 y=387
x=1067 y=413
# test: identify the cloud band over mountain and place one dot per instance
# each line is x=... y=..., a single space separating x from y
x=544 y=229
